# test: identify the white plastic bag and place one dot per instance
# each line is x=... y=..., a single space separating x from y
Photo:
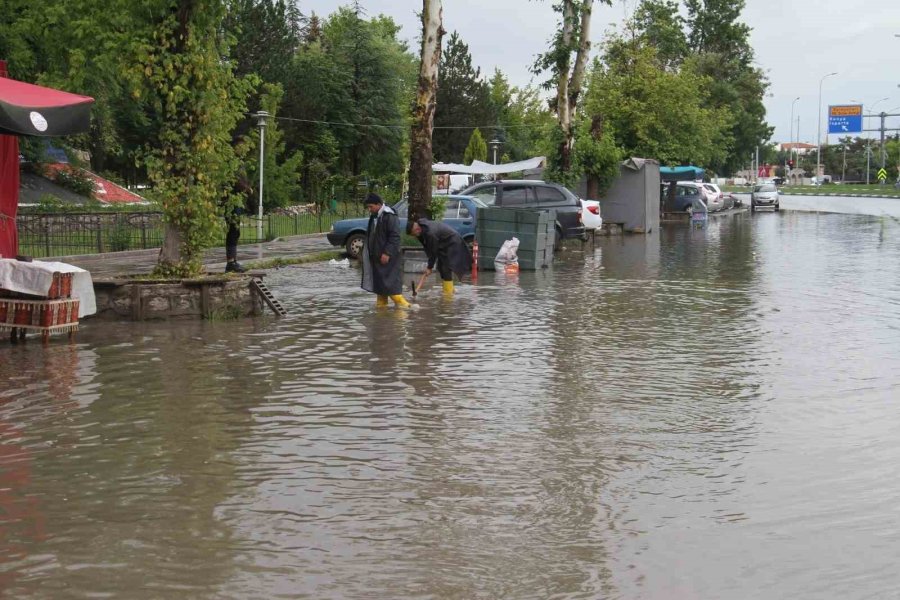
x=339 y=263
x=508 y=255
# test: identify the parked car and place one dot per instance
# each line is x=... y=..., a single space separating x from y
x=534 y=194
x=459 y=213
x=687 y=193
x=590 y=215
x=764 y=195
x=714 y=192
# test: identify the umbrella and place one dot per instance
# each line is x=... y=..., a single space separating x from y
x=27 y=109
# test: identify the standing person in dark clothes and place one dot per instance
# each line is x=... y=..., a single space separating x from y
x=444 y=246
x=233 y=219
x=381 y=267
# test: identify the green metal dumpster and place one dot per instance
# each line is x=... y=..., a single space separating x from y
x=534 y=229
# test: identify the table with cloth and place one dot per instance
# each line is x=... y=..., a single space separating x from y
x=43 y=296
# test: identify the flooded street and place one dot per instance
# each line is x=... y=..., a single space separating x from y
x=691 y=414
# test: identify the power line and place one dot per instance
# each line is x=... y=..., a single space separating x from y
x=381 y=126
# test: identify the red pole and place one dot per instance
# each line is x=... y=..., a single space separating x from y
x=474 y=260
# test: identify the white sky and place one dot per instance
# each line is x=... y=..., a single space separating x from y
x=796 y=43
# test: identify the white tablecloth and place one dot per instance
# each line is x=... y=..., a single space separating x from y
x=36 y=278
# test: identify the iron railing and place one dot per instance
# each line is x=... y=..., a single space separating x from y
x=70 y=233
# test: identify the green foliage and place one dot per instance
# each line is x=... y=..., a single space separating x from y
x=661 y=26
x=199 y=102
x=655 y=113
x=119 y=238
x=522 y=117
x=476 y=149
x=282 y=173
x=437 y=207
x=463 y=100
x=75 y=180
x=598 y=158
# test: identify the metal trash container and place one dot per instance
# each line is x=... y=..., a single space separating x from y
x=535 y=229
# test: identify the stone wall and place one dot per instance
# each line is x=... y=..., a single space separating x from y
x=145 y=300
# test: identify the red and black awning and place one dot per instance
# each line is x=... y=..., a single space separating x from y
x=27 y=109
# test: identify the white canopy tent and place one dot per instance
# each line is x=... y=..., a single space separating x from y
x=482 y=168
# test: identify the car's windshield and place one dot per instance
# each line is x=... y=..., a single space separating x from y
x=766 y=187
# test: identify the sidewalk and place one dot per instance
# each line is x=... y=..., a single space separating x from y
x=143 y=261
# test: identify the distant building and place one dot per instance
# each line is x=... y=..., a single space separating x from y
x=800 y=148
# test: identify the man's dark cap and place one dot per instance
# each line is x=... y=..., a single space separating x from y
x=373 y=199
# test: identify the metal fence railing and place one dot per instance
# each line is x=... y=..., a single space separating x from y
x=69 y=233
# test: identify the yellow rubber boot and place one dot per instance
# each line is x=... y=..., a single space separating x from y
x=448 y=287
x=399 y=301
x=381 y=301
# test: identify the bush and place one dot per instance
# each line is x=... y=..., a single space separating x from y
x=120 y=238
x=436 y=208
x=75 y=180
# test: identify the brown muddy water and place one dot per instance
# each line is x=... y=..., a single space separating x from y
x=695 y=414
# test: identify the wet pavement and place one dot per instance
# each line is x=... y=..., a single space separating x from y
x=132 y=262
x=693 y=414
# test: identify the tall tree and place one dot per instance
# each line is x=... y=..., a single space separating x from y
x=199 y=101
x=573 y=37
x=721 y=50
x=267 y=34
x=421 y=156
x=463 y=101
x=521 y=115
x=662 y=26
x=476 y=149
x=655 y=113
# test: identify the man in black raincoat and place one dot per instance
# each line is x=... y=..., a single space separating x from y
x=381 y=266
x=444 y=247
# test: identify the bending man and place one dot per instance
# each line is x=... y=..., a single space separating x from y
x=381 y=266
x=444 y=247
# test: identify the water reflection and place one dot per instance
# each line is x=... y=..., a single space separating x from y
x=719 y=400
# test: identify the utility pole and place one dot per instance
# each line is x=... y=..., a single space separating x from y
x=261 y=117
x=819 y=128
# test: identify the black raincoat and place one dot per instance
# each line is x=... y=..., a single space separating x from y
x=445 y=246
x=382 y=237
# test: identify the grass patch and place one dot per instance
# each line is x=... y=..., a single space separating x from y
x=225 y=313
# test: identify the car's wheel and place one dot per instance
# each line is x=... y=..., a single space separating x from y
x=469 y=241
x=777 y=208
x=689 y=210
x=354 y=244
x=557 y=242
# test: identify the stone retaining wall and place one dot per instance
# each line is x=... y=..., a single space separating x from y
x=146 y=300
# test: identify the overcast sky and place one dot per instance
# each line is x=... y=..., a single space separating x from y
x=796 y=43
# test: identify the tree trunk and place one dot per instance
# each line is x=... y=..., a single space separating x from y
x=563 y=114
x=170 y=252
x=421 y=156
x=569 y=88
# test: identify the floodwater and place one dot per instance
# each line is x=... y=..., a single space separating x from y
x=694 y=414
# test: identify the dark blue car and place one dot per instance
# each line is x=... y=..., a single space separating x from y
x=459 y=214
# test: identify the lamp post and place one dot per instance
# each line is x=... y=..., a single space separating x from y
x=495 y=145
x=819 y=128
x=261 y=117
x=791 y=136
x=869 y=137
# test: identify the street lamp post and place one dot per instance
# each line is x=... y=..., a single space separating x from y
x=791 y=136
x=495 y=145
x=261 y=117
x=819 y=128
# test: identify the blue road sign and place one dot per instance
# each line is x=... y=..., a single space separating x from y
x=845 y=119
